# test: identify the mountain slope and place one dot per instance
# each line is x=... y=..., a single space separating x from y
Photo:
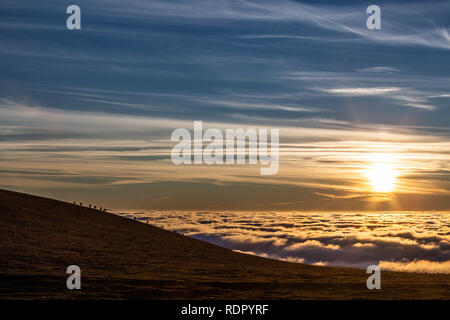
x=125 y=259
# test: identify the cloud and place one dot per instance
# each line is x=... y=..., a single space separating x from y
x=407 y=96
x=440 y=96
x=353 y=239
x=421 y=106
x=402 y=24
x=363 y=91
x=122 y=146
x=333 y=196
x=378 y=69
x=417 y=266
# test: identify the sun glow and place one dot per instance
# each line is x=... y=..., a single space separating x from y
x=382 y=176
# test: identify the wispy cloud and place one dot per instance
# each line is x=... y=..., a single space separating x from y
x=421 y=106
x=378 y=69
x=407 y=97
x=403 y=24
x=363 y=91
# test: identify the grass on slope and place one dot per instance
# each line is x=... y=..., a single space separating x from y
x=125 y=259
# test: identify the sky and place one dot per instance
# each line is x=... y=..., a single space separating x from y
x=87 y=115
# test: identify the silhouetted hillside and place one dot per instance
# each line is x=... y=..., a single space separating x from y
x=126 y=259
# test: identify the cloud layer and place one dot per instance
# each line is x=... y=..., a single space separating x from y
x=403 y=241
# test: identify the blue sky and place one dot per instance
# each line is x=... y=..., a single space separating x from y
x=139 y=69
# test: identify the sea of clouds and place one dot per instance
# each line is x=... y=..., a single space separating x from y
x=403 y=241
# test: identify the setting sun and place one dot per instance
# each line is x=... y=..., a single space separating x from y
x=382 y=177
